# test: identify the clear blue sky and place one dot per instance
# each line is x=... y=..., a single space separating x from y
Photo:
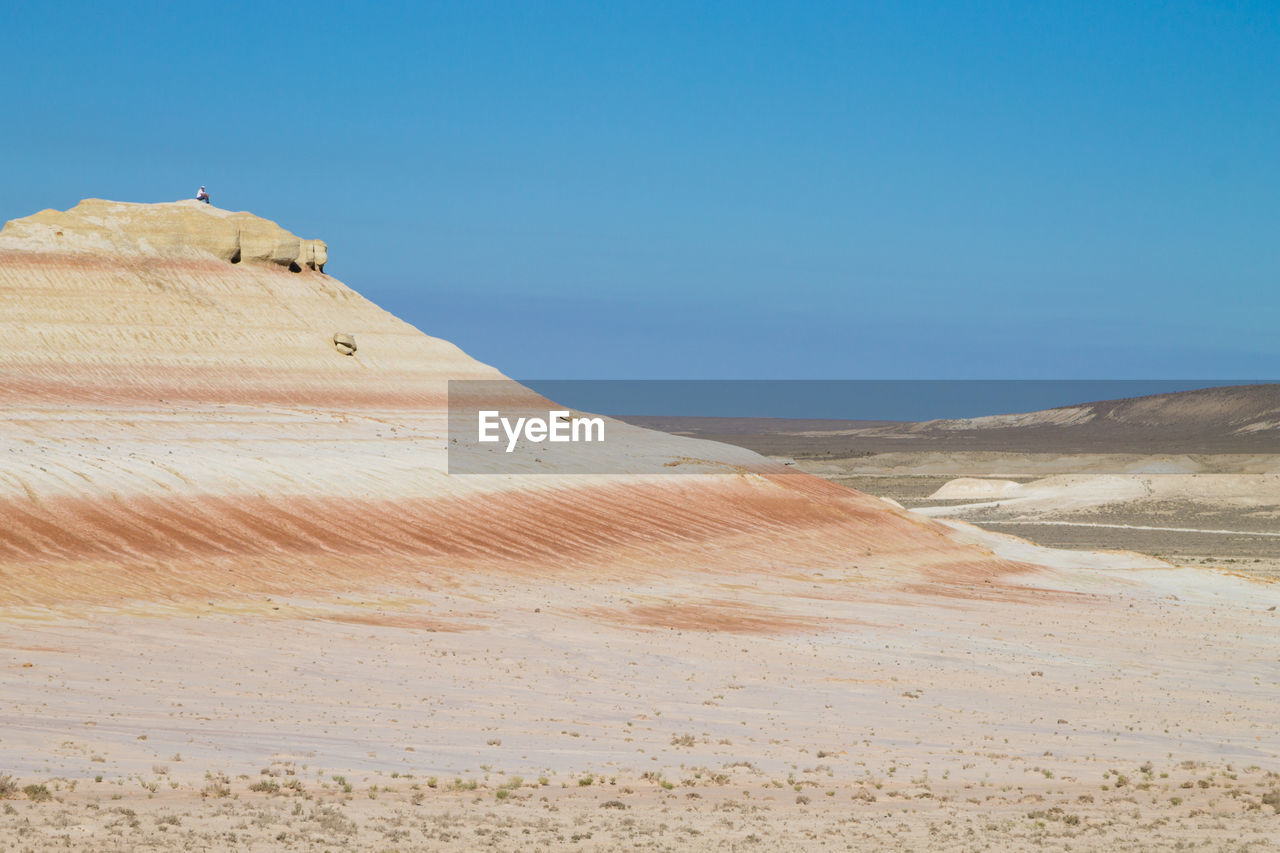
x=710 y=190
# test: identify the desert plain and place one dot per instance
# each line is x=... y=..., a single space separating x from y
x=245 y=605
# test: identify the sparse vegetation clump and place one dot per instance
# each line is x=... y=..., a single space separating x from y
x=218 y=786
x=331 y=821
x=37 y=793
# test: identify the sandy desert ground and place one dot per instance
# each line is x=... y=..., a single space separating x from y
x=1079 y=709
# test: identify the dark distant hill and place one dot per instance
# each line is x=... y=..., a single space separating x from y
x=1230 y=419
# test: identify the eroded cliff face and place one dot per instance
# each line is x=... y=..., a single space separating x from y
x=179 y=426
x=180 y=229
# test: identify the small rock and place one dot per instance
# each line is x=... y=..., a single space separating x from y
x=344 y=343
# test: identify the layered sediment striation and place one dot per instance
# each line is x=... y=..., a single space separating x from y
x=182 y=425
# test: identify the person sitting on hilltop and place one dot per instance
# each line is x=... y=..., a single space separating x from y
x=203 y=195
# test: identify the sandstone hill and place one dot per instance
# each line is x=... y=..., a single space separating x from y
x=194 y=409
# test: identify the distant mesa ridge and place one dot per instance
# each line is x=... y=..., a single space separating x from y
x=179 y=229
x=1222 y=410
x=1222 y=419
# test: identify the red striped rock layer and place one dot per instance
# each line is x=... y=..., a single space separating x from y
x=183 y=428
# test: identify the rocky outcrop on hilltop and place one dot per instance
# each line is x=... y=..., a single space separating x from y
x=187 y=228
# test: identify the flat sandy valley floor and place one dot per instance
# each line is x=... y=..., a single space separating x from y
x=1063 y=709
x=1219 y=510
